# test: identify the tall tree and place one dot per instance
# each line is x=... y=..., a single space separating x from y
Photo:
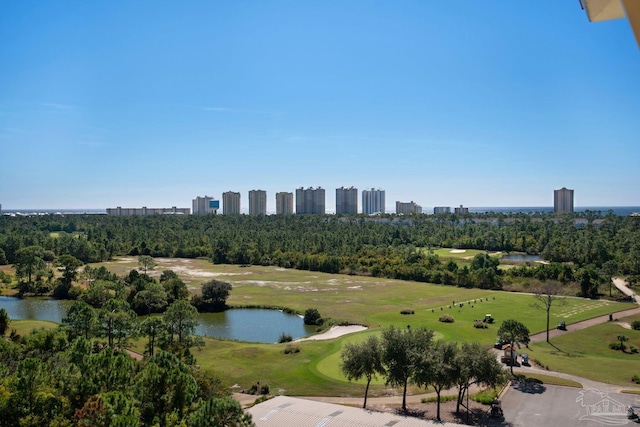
x=437 y=368
x=401 y=350
x=146 y=263
x=214 y=295
x=68 y=265
x=118 y=322
x=181 y=319
x=152 y=327
x=4 y=321
x=546 y=296
x=476 y=364
x=513 y=332
x=81 y=319
x=363 y=359
x=29 y=260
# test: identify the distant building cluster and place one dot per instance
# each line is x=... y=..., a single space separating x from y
x=147 y=211
x=312 y=201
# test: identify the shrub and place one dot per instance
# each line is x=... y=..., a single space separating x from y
x=633 y=349
x=615 y=346
x=284 y=337
x=259 y=389
x=635 y=379
x=291 y=348
x=312 y=317
x=407 y=311
x=635 y=325
x=446 y=318
x=479 y=324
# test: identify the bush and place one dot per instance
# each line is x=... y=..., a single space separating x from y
x=407 y=311
x=291 y=348
x=615 y=346
x=446 y=318
x=284 y=337
x=312 y=317
x=259 y=389
x=633 y=349
x=635 y=325
x=635 y=379
x=479 y=324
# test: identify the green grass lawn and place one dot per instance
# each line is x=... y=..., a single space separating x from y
x=362 y=300
x=586 y=353
x=23 y=327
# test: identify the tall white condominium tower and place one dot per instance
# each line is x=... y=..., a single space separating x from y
x=284 y=203
x=310 y=200
x=231 y=203
x=257 y=202
x=408 y=207
x=346 y=200
x=372 y=201
x=563 y=200
x=205 y=205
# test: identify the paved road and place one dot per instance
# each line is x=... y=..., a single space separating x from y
x=621 y=285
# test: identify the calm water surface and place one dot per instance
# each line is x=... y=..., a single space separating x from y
x=255 y=325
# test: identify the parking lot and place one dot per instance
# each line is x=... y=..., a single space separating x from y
x=533 y=405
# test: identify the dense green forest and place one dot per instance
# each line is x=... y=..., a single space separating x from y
x=385 y=246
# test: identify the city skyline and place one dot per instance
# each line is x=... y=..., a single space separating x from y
x=445 y=103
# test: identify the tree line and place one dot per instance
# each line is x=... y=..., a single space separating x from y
x=79 y=375
x=388 y=246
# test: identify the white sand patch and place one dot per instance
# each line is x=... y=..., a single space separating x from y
x=624 y=325
x=125 y=260
x=253 y=282
x=355 y=287
x=458 y=251
x=335 y=332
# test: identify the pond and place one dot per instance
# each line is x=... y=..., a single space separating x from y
x=253 y=325
x=521 y=257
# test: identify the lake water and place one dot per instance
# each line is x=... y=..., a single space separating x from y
x=253 y=325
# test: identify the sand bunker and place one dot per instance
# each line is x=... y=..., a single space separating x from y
x=335 y=332
x=458 y=251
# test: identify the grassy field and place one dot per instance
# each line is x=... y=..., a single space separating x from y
x=586 y=353
x=23 y=327
x=363 y=300
x=373 y=302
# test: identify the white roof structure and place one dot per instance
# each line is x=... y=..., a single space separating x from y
x=284 y=411
x=604 y=10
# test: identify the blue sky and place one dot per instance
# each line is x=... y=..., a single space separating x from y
x=151 y=103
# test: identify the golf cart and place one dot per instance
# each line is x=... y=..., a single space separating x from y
x=562 y=325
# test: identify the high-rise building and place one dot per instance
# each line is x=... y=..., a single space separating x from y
x=231 y=203
x=346 y=200
x=284 y=203
x=441 y=209
x=372 y=201
x=205 y=205
x=461 y=210
x=257 y=202
x=407 y=208
x=310 y=200
x=563 y=200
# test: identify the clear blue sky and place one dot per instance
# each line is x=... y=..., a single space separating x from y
x=151 y=103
